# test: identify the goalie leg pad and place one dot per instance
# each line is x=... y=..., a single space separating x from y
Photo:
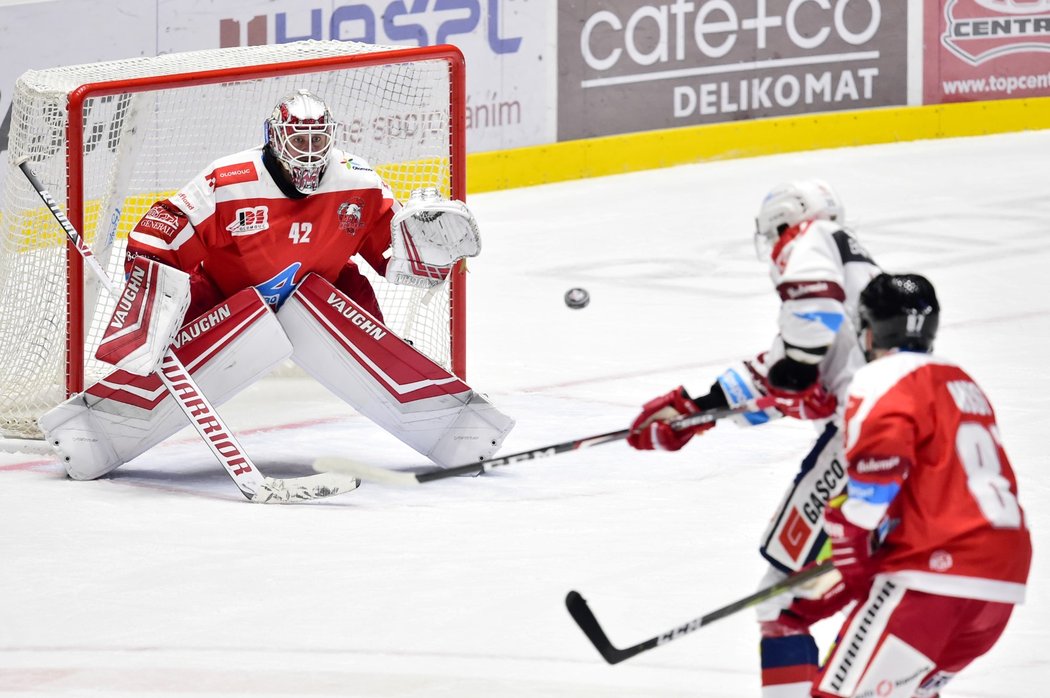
x=123 y=415
x=796 y=532
x=384 y=378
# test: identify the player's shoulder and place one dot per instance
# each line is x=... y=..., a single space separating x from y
x=352 y=167
x=818 y=234
x=878 y=377
x=235 y=168
x=347 y=171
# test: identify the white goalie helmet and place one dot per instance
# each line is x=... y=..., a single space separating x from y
x=791 y=203
x=300 y=133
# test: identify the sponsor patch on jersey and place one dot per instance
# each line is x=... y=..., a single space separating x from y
x=349 y=214
x=248 y=221
x=874 y=465
x=161 y=220
x=356 y=165
x=232 y=174
x=795 y=290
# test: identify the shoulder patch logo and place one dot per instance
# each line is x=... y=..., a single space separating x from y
x=233 y=174
x=248 y=221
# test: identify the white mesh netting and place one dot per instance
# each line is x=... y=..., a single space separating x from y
x=140 y=146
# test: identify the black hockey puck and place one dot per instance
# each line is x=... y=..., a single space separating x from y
x=577 y=298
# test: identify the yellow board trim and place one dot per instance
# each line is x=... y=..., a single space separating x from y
x=596 y=157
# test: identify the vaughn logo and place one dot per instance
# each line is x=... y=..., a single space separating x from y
x=980 y=30
x=248 y=221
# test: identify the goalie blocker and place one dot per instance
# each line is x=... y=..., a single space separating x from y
x=240 y=341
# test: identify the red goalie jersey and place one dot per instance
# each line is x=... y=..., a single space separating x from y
x=925 y=457
x=239 y=224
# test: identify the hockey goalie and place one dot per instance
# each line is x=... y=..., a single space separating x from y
x=255 y=252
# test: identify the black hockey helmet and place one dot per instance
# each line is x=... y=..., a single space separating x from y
x=901 y=311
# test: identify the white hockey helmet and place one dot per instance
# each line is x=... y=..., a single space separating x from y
x=300 y=133
x=791 y=203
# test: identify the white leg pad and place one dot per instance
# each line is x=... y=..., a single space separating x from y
x=123 y=415
x=384 y=378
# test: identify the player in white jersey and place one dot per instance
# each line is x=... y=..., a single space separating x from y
x=256 y=253
x=818 y=269
x=929 y=478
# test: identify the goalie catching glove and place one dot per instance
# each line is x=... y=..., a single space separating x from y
x=651 y=430
x=149 y=312
x=427 y=236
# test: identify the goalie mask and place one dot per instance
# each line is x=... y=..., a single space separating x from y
x=299 y=133
x=898 y=311
x=791 y=203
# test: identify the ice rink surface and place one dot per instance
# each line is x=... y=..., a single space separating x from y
x=161 y=580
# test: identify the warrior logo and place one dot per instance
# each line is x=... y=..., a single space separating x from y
x=248 y=221
x=980 y=30
x=350 y=216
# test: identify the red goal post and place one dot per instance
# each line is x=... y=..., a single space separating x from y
x=110 y=138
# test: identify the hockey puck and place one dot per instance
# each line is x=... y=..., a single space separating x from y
x=577 y=298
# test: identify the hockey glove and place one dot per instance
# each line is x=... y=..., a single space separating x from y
x=429 y=235
x=815 y=402
x=797 y=389
x=851 y=547
x=147 y=317
x=650 y=429
x=805 y=610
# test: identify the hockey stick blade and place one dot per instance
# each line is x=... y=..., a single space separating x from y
x=585 y=618
x=300 y=489
x=393 y=477
x=372 y=473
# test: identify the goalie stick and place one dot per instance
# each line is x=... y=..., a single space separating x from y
x=584 y=617
x=395 y=477
x=202 y=415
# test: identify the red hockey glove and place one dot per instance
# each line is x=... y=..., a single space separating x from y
x=811 y=605
x=796 y=387
x=650 y=429
x=851 y=549
x=812 y=403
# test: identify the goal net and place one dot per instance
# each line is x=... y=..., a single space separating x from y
x=109 y=139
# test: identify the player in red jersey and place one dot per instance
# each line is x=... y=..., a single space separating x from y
x=818 y=268
x=929 y=476
x=265 y=237
x=268 y=216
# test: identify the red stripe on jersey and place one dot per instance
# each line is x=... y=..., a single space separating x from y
x=796 y=290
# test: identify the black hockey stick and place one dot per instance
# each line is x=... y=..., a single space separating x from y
x=584 y=617
x=183 y=389
x=396 y=477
